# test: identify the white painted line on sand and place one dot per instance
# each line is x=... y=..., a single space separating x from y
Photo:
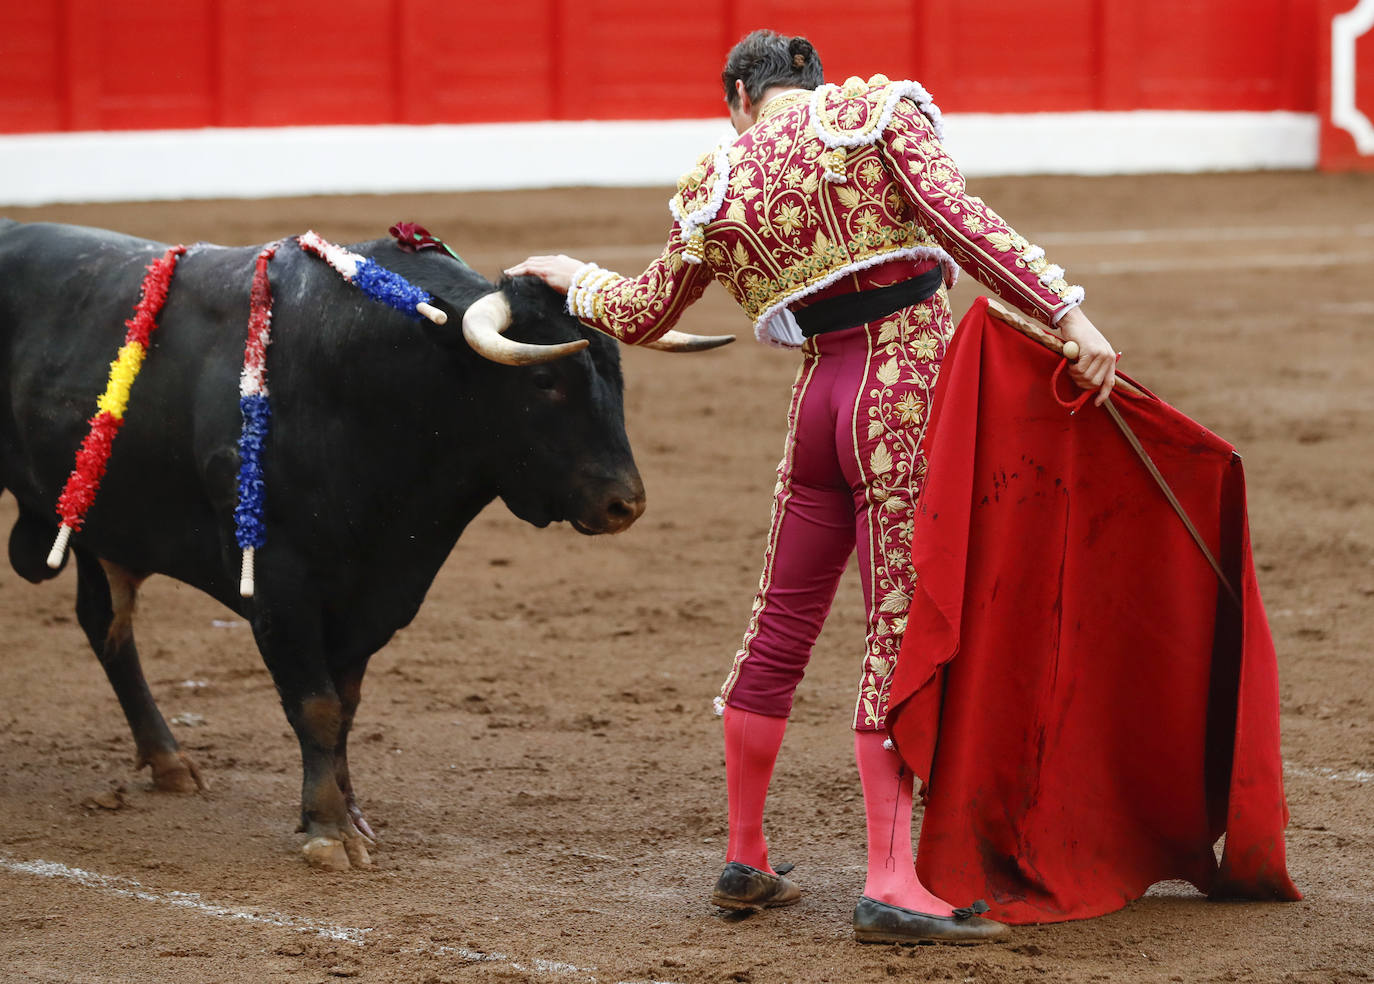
x=128 y=888
x=355 y=935
x=1324 y=772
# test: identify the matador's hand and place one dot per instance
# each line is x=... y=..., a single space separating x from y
x=556 y=271
x=1096 y=365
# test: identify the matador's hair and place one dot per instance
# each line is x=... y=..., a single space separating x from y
x=763 y=59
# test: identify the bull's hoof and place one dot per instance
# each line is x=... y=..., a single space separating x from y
x=327 y=854
x=174 y=772
x=333 y=854
x=357 y=852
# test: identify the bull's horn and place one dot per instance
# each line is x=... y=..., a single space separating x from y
x=680 y=341
x=489 y=317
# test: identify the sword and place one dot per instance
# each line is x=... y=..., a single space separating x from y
x=1069 y=351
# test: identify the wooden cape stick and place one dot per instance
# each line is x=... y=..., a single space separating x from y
x=1069 y=350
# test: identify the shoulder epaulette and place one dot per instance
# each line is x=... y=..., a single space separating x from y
x=856 y=114
x=699 y=195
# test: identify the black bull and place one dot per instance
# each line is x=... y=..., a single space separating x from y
x=388 y=436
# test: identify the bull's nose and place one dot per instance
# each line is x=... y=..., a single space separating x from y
x=624 y=511
x=621 y=512
x=613 y=507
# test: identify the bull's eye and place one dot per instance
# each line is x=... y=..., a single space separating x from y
x=545 y=380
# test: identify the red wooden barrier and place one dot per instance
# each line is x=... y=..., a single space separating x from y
x=1347 y=86
x=129 y=64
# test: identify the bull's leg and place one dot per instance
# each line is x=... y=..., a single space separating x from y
x=105 y=600
x=292 y=650
x=349 y=686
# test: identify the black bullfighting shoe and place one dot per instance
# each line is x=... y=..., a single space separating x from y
x=879 y=922
x=743 y=887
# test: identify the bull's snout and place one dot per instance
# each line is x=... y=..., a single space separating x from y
x=615 y=509
x=621 y=512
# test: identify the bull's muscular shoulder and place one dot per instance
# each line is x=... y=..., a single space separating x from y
x=858 y=112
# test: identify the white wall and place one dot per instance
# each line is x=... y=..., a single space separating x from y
x=254 y=163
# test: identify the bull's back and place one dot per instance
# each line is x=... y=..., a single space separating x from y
x=57 y=285
x=65 y=295
x=59 y=290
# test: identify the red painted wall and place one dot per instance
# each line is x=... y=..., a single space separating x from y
x=131 y=64
x=1337 y=147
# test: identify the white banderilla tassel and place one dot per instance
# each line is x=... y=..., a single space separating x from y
x=59 y=546
x=246 y=574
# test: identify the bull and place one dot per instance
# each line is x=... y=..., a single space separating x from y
x=388 y=436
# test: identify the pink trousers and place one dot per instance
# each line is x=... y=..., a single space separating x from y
x=850 y=473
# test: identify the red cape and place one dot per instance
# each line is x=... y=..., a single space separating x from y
x=1092 y=711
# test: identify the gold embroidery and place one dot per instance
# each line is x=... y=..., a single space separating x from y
x=769 y=110
x=851 y=114
x=976 y=236
x=695 y=250
x=787 y=218
x=906 y=353
x=1005 y=241
x=691 y=181
x=795 y=212
x=871 y=172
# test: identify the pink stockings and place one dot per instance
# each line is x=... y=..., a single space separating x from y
x=751 y=747
x=887 y=807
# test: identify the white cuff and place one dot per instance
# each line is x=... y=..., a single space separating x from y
x=1072 y=299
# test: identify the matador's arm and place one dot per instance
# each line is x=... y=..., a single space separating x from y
x=978 y=238
x=638 y=309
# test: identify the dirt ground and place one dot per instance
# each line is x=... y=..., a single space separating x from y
x=538 y=750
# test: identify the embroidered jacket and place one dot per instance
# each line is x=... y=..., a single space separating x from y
x=830 y=191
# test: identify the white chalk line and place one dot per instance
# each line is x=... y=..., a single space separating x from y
x=354 y=935
x=128 y=888
x=1324 y=772
x=358 y=935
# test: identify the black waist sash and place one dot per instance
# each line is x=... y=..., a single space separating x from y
x=861 y=307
